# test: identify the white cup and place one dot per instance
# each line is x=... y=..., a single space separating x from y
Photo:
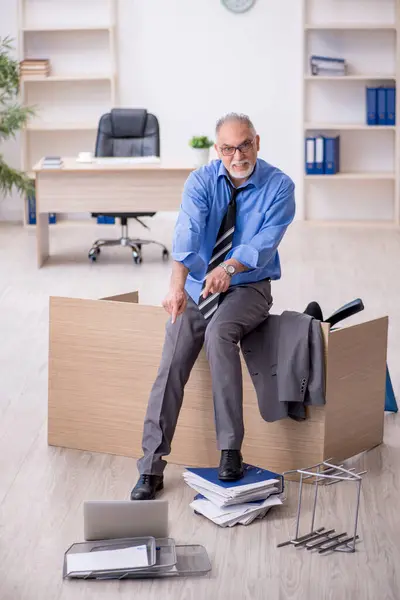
x=85 y=157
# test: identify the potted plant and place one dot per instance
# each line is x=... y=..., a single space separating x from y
x=13 y=117
x=201 y=148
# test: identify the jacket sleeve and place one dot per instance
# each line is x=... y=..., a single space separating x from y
x=316 y=382
x=189 y=228
x=258 y=252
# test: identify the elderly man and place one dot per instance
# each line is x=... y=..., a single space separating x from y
x=233 y=215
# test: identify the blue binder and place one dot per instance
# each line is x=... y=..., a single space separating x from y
x=252 y=475
x=319 y=155
x=31 y=209
x=381 y=106
x=372 y=115
x=105 y=220
x=31 y=199
x=310 y=156
x=391 y=106
x=331 y=155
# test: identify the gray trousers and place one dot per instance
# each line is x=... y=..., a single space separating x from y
x=241 y=310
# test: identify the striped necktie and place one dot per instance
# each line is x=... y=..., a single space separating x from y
x=209 y=305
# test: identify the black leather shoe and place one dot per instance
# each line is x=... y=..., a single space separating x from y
x=230 y=466
x=147 y=487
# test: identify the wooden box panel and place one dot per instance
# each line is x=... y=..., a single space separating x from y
x=355 y=388
x=103 y=359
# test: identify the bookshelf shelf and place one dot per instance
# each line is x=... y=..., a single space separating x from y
x=62 y=126
x=347 y=127
x=82 y=93
x=367 y=186
x=341 y=78
x=67 y=28
x=378 y=224
x=350 y=27
x=57 y=78
x=352 y=177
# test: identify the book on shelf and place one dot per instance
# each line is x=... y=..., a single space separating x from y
x=228 y=503
x=39 y=67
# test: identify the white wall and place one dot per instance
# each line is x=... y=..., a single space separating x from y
x=190 y=61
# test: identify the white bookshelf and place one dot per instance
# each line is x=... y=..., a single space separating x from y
x=365 y=33
x=82 y=84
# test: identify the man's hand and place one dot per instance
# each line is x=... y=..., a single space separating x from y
x=217 y=281
x=175 y=302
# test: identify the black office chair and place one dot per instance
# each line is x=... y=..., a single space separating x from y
x=127 y=132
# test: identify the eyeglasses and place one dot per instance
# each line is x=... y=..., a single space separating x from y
x=243 y=148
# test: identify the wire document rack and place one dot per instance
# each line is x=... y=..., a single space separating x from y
x=325 y=540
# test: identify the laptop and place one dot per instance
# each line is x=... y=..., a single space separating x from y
x=113 y=519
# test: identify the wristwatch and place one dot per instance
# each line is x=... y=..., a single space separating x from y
x=229 y=269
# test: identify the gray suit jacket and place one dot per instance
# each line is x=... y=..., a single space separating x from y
x=285 y=358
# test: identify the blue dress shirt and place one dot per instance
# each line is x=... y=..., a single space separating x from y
x=264 y=209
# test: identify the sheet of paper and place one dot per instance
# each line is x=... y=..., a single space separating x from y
x=125 y=558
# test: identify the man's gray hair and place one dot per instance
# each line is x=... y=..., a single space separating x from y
x=239 y=117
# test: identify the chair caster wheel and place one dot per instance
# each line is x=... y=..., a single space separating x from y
x=165 y=255
x=137 y=259
x=93 y=254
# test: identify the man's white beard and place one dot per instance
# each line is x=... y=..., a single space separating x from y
x=243 y=174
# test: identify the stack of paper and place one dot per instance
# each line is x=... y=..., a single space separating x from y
x=230 y=503
x=52 y=162
x=124 y=558
x=228 y=516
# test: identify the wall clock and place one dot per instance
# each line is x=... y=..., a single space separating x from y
x=238 y=6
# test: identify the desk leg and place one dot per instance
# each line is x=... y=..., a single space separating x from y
x=42 y=238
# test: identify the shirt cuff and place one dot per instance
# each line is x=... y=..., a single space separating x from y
x=190 y=260
x=246 y=255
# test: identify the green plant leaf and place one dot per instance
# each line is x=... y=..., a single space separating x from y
x=200 y=142
x=13 y=117
x=10 y=178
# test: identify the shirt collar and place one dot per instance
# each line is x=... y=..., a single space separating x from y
x=254 y=179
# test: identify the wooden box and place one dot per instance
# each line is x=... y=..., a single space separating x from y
x=103 y=359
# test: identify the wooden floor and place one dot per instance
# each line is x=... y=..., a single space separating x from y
x=42 y=489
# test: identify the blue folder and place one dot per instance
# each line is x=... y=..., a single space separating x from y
x=390 y=106
x=105 y=220
x=252 y=474
x=331 y=155
x=381 y=106
x=31 y=198
x=319 y=155
x=372 y=116
x=310 y=156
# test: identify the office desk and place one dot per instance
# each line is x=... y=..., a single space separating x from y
x=98 y=187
